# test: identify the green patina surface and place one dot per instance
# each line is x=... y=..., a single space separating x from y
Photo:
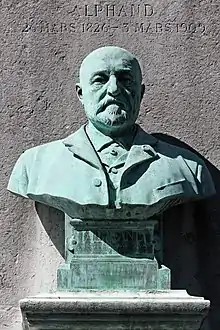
x=119 y=256
x=115 y=178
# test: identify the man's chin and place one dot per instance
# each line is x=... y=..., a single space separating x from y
x=114 y=121
x=113 y=116
x=111 y=126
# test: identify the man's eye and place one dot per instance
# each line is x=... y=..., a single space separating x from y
x=126 y=80
x=100 y=80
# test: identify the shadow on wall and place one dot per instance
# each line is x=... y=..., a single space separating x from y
x=53 y=221
x=206 y=238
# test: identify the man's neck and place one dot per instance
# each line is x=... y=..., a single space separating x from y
x=125 y=139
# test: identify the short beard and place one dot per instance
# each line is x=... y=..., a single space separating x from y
x=114 y=117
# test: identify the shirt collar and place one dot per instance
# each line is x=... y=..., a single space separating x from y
x=98 y=139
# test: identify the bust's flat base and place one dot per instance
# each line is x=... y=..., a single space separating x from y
x=108 y=310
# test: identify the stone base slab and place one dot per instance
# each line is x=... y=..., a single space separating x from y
x=108 y=310
x=112 y=273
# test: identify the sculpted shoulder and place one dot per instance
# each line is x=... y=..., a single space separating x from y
x=173 y=151
x=193 y=162
x=43 y=150
x=32 y=163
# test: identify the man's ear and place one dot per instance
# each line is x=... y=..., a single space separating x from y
x=79 y=92
x=142 y=91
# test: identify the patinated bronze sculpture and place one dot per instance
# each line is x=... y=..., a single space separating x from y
x=110 y=174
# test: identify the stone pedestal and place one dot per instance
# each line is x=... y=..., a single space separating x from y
x=116 y=255
x=159 y=310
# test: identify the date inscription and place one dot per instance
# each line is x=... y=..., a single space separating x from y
x=110 y=28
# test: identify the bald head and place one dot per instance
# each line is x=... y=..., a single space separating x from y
x=110 y=89
x=109 y=54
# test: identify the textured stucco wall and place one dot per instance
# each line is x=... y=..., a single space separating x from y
x=177 y=43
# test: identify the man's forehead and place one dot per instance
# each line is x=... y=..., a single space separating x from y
x=110 y=58
x=107 y=64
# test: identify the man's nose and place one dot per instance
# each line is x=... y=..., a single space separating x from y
x=113 y=88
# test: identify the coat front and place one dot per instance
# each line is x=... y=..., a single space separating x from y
x=68 y=175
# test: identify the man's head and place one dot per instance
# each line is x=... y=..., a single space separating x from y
x=110 y=89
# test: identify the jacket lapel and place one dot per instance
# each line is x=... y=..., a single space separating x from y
x=142 y=150
x=79 y=144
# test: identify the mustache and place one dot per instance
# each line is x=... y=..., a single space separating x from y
x=104 y=104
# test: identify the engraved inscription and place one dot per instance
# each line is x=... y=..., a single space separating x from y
x=170 y=27
x=130 y=243
x=112 y=10
x=115 y=18
x=110 y=28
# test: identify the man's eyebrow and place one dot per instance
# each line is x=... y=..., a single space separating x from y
x=124 y=70
x=99 y=73
x=106 y=72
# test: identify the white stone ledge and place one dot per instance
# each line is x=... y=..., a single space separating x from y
x=114 y=310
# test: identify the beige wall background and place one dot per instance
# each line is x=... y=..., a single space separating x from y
x=42 y=45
